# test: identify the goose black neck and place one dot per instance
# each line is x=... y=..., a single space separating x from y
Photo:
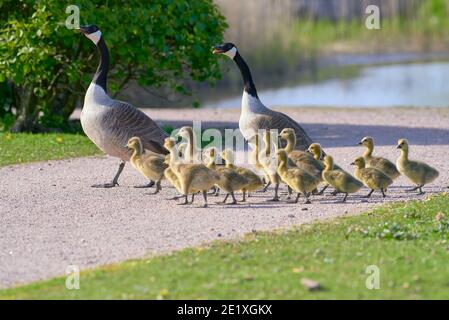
x=248 y=82
x=101 y=75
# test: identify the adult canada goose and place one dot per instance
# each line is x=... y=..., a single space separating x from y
x=371 y=177
x=111 y=123
x=383 y=164
x=342 y=181
x=418 y=172
x=151 y=165
x=254 y=114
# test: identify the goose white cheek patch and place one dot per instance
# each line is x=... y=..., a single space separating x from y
x=95 y=37
x=231 y=53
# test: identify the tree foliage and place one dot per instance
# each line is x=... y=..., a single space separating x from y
x=48 y=66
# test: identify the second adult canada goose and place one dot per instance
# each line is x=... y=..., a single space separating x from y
x=371 y=177
x=254 y=115
x=111 y=123
x=418 y=172
x=342 y=181
x=383 y=164
x=150 y=165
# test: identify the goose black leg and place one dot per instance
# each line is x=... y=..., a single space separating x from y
x=383 y=193
x=344 y=199
x=369 y=194
x=148 y=185
x=114 y=181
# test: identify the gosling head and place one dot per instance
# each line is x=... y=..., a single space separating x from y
x=135 y=143
x=367 y=142
x=228 y=49
x=286 y=132
x=169 y=143
x=328 y=162
x=185 y=132
x=403 y=144
x=227 y=155
x=315 y=149
x=359 y=163
x=282 y=155
x=92 y=32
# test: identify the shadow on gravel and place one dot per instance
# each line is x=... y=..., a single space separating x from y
x=346 y=135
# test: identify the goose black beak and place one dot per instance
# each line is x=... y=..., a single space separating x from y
x=82 y=29
x=217 y=50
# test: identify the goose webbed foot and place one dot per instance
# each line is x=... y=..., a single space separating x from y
x=158 y=188
x=145 y=186
x=114 y=181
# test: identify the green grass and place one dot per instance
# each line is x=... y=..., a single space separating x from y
x=406 y=241
x=24 y=147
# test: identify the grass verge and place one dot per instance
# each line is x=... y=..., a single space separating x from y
x=408 y=242
x=24 y=147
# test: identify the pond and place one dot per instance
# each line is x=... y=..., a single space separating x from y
x=397 y=85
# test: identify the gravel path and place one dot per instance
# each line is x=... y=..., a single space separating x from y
x=50 y=218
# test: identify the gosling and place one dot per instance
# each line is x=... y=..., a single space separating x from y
x=149 y=164
x=193 y=178
x=419 y=173
x=296 y=178
x=254 y=181
x=371 y=177
x=269 y=165
x=382 y=164
x=342 y=181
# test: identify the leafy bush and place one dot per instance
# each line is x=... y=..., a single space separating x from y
x=156 y=43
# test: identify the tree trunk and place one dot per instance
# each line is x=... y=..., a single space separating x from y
x=24 y=101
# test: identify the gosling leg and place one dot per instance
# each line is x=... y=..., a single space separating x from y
x=307 y=198
x=114 y=181
x=244 y=196
x=266 y=186
x=148 y=185
x=290 y=192
x=344 y=199
x=413 y=189
x=205 y=198
x=322 y=190
x=276 y=196
x=186 y=201
x=369 y=194
x=226 y=198
x=383 y=193
x=234 y=200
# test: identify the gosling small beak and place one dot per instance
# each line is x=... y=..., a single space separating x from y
x=399 y=147
x=352 y=164
x=360 y=143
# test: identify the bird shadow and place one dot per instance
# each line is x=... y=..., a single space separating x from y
x=344 y=135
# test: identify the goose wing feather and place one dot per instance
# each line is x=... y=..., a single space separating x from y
x=126 y=121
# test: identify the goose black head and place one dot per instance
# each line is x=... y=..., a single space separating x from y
x=228 y=49
x=92 y=32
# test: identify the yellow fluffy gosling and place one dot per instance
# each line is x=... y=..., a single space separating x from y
x=296 y=178
x=254 y=182
x=342 y=181
x=418 y=172
x=269 y=163
x=191 y=154
x=300 y=158
x=371 y=177
x=193 y=178
x=382 y=164
x=150 y=165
